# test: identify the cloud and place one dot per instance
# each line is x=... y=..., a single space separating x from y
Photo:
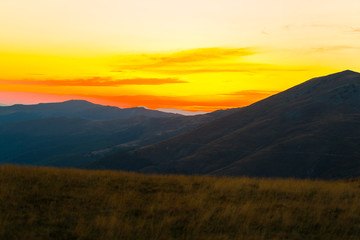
x=253 y=93
x=288 y=27
x=96 y=82
x=355 y=30
x=36 y=74
x=223 y=68
x=339 y=27
x=264 y=32
x=321 y=25
x=247 y=97
x=202 y=60
x=334 y=48
x=203 y=54
x=188 y=103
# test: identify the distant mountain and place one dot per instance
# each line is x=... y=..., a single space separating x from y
x=74 y=109
x=309 y=131
x=72 y=142
x=182 y=112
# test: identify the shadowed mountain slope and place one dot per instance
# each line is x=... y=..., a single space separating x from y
x=72 y=142
x=74 y=109
x=309 y=131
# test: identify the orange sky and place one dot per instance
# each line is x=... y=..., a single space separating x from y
x=191 y=55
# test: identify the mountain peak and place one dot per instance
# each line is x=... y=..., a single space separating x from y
x=77 y=101
x=74 y=102
x=311 y=130
x=74 y=109
x=325 y=84
x=346 y=74
x=349 y=72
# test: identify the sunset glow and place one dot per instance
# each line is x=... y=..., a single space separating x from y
x=190 y=55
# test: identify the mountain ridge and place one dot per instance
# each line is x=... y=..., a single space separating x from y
x=72 y=142
x=258 y=139
x=75 y=109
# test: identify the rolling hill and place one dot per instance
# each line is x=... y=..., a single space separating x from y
x=74 y=109
x=69 y=141
x=309 y=131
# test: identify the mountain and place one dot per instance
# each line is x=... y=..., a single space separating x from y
x=309 y=131
x=182 y=112
x=72 y=142
x=74 y=109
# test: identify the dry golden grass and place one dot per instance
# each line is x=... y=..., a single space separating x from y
x=48 y=203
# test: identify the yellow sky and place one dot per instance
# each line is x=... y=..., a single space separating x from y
x=192 y=55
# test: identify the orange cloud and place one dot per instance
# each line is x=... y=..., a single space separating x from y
x=189 y=103
x=202 y=54
x=194 y=61
x=223 y=68
x=96 y=82
x=252 y=93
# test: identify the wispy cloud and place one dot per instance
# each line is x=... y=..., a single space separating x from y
x=287 y=27
x=202 y=60
x=36 y=74
x=253 y=93
x=247 y=97
x=96 y=82
x=223 y=68
x=338 y=28
x=355 y=30
x=203 y=54
x=334 y=48
x=265 y=32
x=333 y=26
x=189 y=103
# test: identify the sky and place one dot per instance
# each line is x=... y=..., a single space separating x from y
x=198 y=55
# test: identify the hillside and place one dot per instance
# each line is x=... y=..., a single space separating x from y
x=46 y=203
x=74 y=109
x=309 y=131
x=65 y=141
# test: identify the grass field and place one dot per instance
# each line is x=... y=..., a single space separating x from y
x=48 y=203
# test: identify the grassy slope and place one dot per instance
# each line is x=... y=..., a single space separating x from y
x=47 y=203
